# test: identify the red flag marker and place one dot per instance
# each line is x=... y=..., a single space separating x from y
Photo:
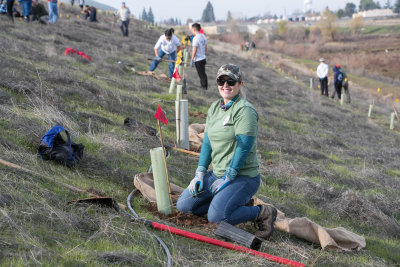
x=176 y=75
x=160 y=115
x=70 y=51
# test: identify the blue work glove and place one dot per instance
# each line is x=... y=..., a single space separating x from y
x=219 y=184
x=191 y=63
x=196 y=185
x=157 y=58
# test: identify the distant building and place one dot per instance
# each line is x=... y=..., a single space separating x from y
x=307 y=5
x=215 y=29
x=373 y=13
x=252 y=29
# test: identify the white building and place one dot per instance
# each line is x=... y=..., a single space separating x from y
x=307 y=5
x=375 y=13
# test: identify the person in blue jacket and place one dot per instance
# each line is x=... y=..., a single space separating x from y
x=229 y=145
x=338 y=80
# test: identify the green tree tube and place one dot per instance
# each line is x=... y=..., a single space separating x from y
x=160 y=180
x=392 y=120
x=370 y=110
x=172 y=85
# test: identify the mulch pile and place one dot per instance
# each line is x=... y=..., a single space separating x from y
x=182 y=219
x=197 y=114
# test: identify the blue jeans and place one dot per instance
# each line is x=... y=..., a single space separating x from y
x=124 y=27
x=92 y=16
x=53 y=11
x=171 y=65
x=227 y=205
x=26 y=7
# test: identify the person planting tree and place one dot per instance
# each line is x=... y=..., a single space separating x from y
x=167 y=44
x=230 y=144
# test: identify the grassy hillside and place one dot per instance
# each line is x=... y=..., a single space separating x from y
x=325 y=161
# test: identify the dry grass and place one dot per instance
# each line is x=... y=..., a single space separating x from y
x=318 y=159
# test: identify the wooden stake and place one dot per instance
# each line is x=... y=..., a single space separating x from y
x=178 y=113
x=395 y=110
x=165 y=161
x=186 y=151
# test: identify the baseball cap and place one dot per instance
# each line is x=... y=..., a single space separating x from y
x=230 y=70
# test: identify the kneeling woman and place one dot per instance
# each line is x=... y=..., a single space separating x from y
x=230 y=144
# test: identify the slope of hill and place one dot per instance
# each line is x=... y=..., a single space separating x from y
x=318 y=159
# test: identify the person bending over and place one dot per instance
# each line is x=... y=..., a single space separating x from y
x=167 y=44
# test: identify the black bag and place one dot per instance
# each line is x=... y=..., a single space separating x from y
x=53 y=147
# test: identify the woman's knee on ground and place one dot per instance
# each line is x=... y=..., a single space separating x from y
x=216 y=215
x=183 y=206
x=184 y=203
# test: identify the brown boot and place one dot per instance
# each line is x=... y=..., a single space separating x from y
x=265 y=221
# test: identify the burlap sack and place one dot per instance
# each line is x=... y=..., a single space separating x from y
x=332 y=239
x=145 y=184
x=196 y=136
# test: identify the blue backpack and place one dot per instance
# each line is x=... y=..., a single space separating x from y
x=340 y=76
x=53 y=147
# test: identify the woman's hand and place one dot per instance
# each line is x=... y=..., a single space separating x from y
x=219 y=184
x=196 y=185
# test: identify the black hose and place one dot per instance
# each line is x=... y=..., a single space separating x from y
x=165 y=248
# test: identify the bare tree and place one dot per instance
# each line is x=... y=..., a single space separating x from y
x=327 y=25
x=356 y=24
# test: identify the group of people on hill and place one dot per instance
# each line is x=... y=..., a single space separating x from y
x=246 y=46
x=34 y=10
x=169 y=44
x=339 y=80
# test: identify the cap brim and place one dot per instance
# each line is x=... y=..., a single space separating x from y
x=230 y=74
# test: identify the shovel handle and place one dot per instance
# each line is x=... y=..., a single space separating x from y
x=186 y=151
x=163 y=60
x=223 y=244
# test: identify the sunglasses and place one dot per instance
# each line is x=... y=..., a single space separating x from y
x=222 y=81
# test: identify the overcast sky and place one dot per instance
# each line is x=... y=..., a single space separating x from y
x=183 y=9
